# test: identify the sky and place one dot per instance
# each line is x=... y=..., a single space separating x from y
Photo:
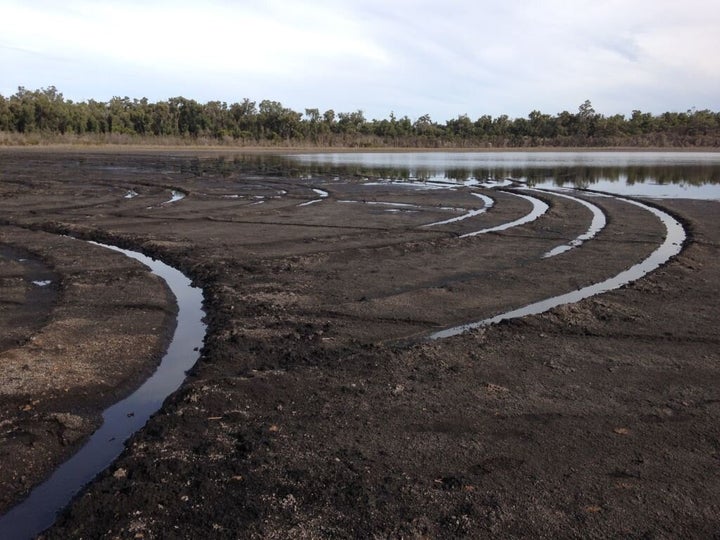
x=444 y=58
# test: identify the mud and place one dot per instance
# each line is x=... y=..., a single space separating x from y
x=317 y=408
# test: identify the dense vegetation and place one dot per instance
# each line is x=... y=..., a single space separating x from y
x=45 y=115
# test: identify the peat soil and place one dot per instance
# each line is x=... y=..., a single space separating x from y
x=317 y=408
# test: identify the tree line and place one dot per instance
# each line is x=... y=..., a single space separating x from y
x=47 y=114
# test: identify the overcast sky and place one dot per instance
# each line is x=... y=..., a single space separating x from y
x=412 y=57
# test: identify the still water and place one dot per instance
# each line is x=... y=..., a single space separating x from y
x=693 y=175
x=121 y=420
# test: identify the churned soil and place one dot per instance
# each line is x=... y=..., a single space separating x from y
x=318 y=408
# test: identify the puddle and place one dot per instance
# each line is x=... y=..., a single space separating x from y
x=320 y=192
x=472 y=213
x=409 y=207
x=308 y=203
x=671 y=246
x=403 y=205
x=35 y=307
x=175 y=196
x=597 y=224
x=539 y=208
x=120 y=421
x=492 y=183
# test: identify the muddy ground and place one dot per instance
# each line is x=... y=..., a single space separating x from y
x=317 y=409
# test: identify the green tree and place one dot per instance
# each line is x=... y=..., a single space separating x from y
x=586 y=120
x=278 y=122
x=119 y=120
x=22 y=109
x=5 y=116
x=190 y=117
x=540 y=126
x=312 y=123
x=244 y=121
x=461 y=128
x=484 y=127
x=351 y=123
x=46 y=111
x=140 y=115
x=216 y=121
x=640 y=123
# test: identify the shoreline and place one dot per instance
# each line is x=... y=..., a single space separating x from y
x=220 y=149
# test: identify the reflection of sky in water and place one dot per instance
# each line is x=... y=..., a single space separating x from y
x=670 y=247
x=444 y=160
x=651 y=189
x=650 y=174
x=120 y=420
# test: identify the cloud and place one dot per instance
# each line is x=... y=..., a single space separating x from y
x=172 y=35
x=410 y=57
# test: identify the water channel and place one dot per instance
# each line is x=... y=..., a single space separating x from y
x=121 y=420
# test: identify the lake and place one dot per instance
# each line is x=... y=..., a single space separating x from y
x=693 y=175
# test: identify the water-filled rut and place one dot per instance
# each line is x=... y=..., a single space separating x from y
x=672 y=245
x=599 y=220
x=539 y=208
x=122 y=419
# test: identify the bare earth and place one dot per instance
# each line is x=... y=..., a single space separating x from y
x=317 y=408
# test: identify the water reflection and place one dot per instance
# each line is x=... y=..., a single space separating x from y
x=616 y=171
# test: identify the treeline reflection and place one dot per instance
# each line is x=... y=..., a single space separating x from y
x=695 y=175
x=579 y=175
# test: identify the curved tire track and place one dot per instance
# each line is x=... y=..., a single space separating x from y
x=39 y=510
x=672 y=245
x=539 y=208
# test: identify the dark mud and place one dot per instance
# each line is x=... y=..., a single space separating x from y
x=311 y=412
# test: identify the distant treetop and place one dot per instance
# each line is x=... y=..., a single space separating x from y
x=46 y=113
